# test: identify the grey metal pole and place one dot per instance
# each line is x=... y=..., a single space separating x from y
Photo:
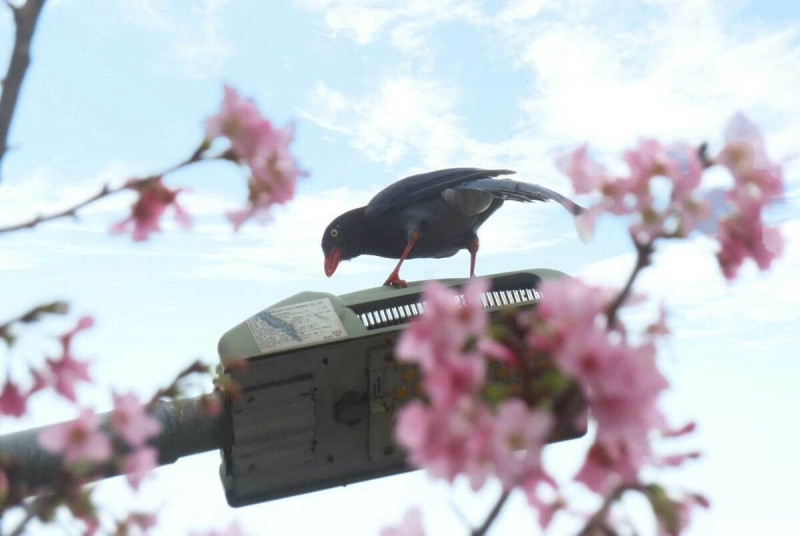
x=186 y=428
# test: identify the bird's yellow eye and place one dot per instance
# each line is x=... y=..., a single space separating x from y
x=334 y=233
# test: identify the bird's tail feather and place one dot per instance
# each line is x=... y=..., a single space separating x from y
x=526 y=192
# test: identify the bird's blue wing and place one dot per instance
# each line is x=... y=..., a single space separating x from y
x=419 y=187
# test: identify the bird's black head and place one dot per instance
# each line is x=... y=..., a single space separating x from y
x=342 y=238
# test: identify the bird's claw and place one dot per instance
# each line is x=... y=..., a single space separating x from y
x=395 y=281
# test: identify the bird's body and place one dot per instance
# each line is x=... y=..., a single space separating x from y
x=431 y=215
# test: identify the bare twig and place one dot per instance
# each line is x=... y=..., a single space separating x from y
x=25 y=19
x=481 y=531
x=106 y=191
x=33 y=315
x=71 y=212
x=198 y=367
x=643 y=254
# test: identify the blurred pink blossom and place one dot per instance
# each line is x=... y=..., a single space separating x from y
x=265 y=149
x=64 y=372
x=411 y=525
x=448 y=440
x=437 y=341
x=77 y=440
x=12 y=400
x=621 y=382
x=146 y=212
x=584 y=172
x=742 y=234
x=131 y=420
x=138 y=464
x=518 y=435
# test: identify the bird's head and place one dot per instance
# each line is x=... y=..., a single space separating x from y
x=341 y=239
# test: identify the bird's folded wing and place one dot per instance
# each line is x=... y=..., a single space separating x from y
x=523 y=191
x=518 y=191
x=418 y=187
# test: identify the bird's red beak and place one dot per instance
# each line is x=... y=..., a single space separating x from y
x=332 y=261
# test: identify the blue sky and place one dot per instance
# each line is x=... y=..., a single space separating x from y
x=378 y=90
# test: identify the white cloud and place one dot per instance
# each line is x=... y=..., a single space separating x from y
x=406 y=23
x=195 y=40
x=681 y=72
x=404 y=117
x=676 y=70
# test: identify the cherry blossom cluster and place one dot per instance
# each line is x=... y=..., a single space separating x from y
x=263 y=147
x=741 y=233
x=456 y=431
x=574 y=344
x=632 y=193
x=61 y=373
x=254 y=141
x=620 y=380
x=147 y=210
x=757 y=181
x=88 y=445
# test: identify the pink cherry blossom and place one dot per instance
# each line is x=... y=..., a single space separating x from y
x=741 y=233
x=448 y=440
x=411 y=525
x=138 y=464
x=601 y=469
x=63 y=372
x=620 y=381
x=741 y=238
x=77 y=440
x=146 y=212
x=131 y=420
x=518 y=435
x=240 y=121
x=265 y=149
x=584 y=173
x=12 y=400
x=438 y=340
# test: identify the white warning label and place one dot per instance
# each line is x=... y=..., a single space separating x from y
x=298 y=323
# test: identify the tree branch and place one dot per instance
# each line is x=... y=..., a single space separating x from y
x=106 y=191
x=481 y=531
x=72 y=211
x=25 y=19
x=643 y=254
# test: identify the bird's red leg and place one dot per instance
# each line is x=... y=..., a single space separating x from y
x=473 y=252
x=394 y=277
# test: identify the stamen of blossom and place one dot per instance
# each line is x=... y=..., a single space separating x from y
x=264 y=148
x=147 y=210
